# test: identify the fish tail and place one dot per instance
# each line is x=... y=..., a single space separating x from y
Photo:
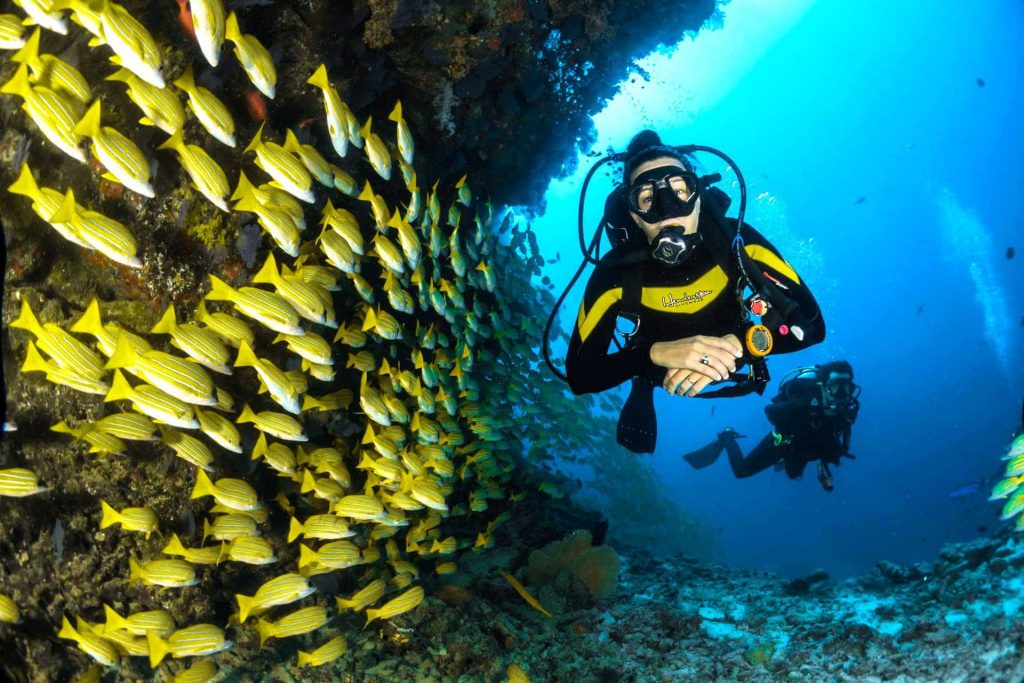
x=319 y=78
x=257 y=139
x=365 y=130
x=158 y=649
x=231 y=30
x=396 y=113
x=18 y=85
x=186 y=81
x=245 y=605
x=174 y=546
x=261 y=441
x=27 y=320
x=68 y=210
x=134 y=571
x=291 y=143
x=175 y=142
x=370 y=321
x=246 y=357
x=114 y=620
x=125 y=76
x=311 y=403
x=25 y=184
x=67 y=630
x=308 y=483
x=167 y=323
x=371 y=615
x=29 y=52
x=89 y=126
x=124 y=354
x=207 y=529
x=304 y=659
x=265 y=628
x=110 y=516
x=34 y=361
x=220 y=290
x=243 y=189
x=295 y=529
x=366 y=194
x=268 y=274
x=119 y=389
x=203 y=487
x=307 y=555
x=90 y=322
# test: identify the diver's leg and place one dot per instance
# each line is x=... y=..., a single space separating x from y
x=763 y=456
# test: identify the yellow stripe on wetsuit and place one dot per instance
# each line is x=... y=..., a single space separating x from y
x=768 y=258
x=687 y=299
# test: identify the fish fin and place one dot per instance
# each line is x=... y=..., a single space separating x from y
x=319 y=78
x=203 y=487
x=396 y=113
x=265 y=629
x=174 y=142
x=268 y=274
x=245 y=605
x=186 y=81
x=121 y=75
x=25 y=184
x=158 y=649
x=295 y=529
x=167 y=323
x=67 y=631
x=119 y=389
x=256 y=139
x=220 y=290
x=29 y=52
x=246 y=357
x=307 y=555
x=124 y=354
x=174 y=546
x=18 y=84
x=110 y=516
x=89 y=125
x=261 y=442
x=291 y=143
x=231 y=30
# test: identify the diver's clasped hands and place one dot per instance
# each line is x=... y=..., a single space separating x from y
x=695 y=362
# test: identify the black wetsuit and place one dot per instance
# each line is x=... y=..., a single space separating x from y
x=802 y=432
x=696 y=298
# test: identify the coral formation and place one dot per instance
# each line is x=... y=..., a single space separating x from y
x=572 y=571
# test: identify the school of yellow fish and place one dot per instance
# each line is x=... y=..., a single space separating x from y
x=427 y=311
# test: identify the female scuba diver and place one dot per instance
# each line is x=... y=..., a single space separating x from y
x=673 y=290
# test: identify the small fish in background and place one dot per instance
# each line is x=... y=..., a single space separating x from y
x=1010 y=253
x=967 y=490
x=58 y=540
x=980 y=82
x=920 y=309
x=860 y=200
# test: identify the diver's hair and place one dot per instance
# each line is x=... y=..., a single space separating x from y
x=647 y=145
x=841 y=367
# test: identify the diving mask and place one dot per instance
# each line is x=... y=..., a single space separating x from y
x=840 y=393
x=663 y=192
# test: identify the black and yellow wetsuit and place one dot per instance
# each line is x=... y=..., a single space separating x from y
x=696 y=298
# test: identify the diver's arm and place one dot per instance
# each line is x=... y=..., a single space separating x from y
x=783 y=276
x=589 y=366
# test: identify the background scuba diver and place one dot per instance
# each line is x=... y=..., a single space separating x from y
x=812 y=416
x=672 y=278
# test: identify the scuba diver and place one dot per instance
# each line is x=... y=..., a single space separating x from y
x=672 y=292
x=812 y=416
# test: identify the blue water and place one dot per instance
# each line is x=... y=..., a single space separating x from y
x=821 y=104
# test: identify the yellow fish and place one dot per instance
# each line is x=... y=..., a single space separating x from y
x=65 y=349
x=405 y=602
x=284 y=168
x=335 y=554
x=208 y=20
x=312 y=304
x=206 y=174
x=52 y=71
x=54 y=114
x=131 y=42
x=160 y=106
x=310 y=346
x=107 y=236
x=102 y=651
x=124 y=161
x=227 y=327
x=45 y=203
x=276 y=381
x=253 y=57
x=405 y=143
x=194 y=641
x=18 y=482
x=131 y=519
x=251 y=550
x=34 y=362
x=281 y=590
x=325 y=654
x=276 y=424
x=200 y=672
x=188 y=448
x=201 y=345
x=153 y=402
x=301 y=621
x=275 y=220
x=42 y=12
x=516 y=674
x=376 y=152
x=310 y=158
x=166 y=573
x=337 y=112
x=270 y=309
x=208 y=109
x=11 y=32
x=233 y=493
x=177 y=376
x=208 y=555
x=9 y=610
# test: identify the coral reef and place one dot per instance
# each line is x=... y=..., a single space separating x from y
x=574 y=570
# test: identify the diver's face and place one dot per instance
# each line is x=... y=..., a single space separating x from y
x=687 y=223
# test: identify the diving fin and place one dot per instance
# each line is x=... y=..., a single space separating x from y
x=638 y=424
x=706 y=455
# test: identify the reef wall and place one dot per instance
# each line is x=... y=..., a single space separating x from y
x=498 y=91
